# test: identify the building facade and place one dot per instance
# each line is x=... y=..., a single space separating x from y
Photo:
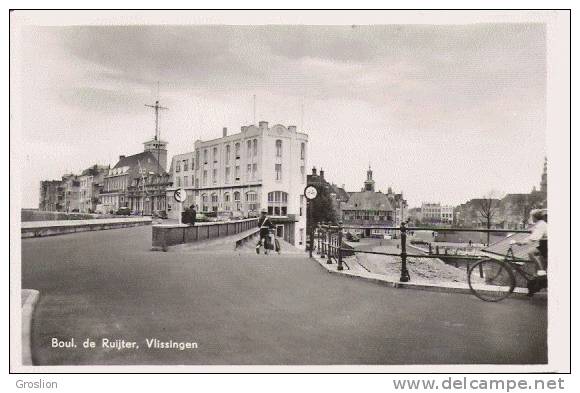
x=71 y=193
x=91 y=185
x=51 y=196
x=367 y=209
x=137 y=182
x=436 y=213
x=237 y=175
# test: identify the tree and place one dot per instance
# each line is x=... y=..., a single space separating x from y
x=487 y=208
x=321 y=209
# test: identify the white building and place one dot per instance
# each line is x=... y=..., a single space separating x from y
x=436 y=213
x=238 y=175
x=447 y=214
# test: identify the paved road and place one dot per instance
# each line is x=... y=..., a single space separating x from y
x=241 y=308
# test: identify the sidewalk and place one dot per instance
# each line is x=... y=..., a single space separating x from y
x=353 y=269
x=29 y=300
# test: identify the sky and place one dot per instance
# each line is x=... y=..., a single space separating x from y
x=442 y=113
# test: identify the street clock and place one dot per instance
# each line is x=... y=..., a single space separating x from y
x=180 y=195
x=310 y=192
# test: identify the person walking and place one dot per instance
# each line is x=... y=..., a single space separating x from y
x=265 y=225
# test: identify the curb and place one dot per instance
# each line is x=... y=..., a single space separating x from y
x=27 y=311
x=380 y=279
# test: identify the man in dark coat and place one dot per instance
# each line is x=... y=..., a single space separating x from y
x=265 y=225
x=192 y=215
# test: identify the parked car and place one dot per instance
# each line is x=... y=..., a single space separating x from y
x=123 y=211
x=352 y=237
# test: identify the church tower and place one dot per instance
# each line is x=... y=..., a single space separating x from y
x=544 y=181
x=369 y=182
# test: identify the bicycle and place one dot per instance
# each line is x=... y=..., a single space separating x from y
x=493 y=280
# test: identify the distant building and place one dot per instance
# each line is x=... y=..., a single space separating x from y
x=510 y=212
x=399 y=205
x=91 y=185
x=237 y=175
x=51 y=196
x=367 y=209
x=138 y=182
x=435 y=213
x=71 y=193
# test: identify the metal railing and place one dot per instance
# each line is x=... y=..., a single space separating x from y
x=329 y=242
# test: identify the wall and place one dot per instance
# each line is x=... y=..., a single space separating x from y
x=170 y=235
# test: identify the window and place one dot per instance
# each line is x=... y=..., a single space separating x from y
x=237 y=174
x=237 y=200
x=205 y=177
x=252 y=200
x=193 y=180
x=254 y=171
x=185 y=181
x=249 y=148
x=278 y=148
x=215 y=155
x=237 y=150
x=248 y=171
x=301 y=205
x=255 y=147
x=302 y=150
x=205 y=156
x=278 y=169
x=196 y=183
x=277 y=203
x=227 y=201
x=197 y=158
x=301 y=236
x=214 y=176
x=178 y=181
x=204 y=202
x=228 y=148
x=177 y=166
x=185 y=165
x=228 y=174
x=302 y=173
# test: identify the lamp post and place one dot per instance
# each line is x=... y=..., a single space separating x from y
x=404 y=272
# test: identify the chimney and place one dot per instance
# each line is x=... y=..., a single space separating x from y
x=263 y=125
x=121 y=157
x=292 y=128
x=225 y=132
x=321 y=174
x=314 y=170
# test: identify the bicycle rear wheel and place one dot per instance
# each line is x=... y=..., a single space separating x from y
x=491 y=280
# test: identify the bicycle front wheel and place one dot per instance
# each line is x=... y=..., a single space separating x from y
x=491 y=280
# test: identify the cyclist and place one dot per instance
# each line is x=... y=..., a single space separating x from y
x=538 y=236
x=265 y=225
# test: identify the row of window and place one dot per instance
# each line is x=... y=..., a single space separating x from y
x=277 y=202
x=251 y=149
x=251 y=174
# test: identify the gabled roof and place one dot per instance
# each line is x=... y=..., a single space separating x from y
x=368 y=200
x=145 y=160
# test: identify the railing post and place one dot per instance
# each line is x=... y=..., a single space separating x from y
x=323 y=241
x=318 y=239
x=404 y=272
x=340 y=246
x=328 y=244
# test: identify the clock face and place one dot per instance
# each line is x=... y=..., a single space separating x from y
x=311 y=192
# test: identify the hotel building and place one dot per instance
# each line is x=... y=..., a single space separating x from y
x=237 y=175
